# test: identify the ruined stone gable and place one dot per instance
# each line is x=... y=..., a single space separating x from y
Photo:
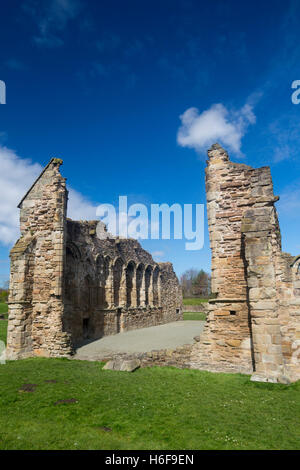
x=68 y=286
x=254 y=321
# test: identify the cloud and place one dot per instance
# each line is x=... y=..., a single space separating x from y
x=158 y=254
x=52 y=18
x=16 y=177
x=117 y=56
x=200 y=130
x=79 y=207
x=283 y=137
x=289 y=202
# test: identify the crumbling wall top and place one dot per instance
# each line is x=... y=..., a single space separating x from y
x=54 y=164
x=217 y=154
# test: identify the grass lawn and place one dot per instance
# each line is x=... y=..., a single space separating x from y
x=3 y=330
x=152 y=408
x=194 y=301
x=3 y=308
x=194 y=316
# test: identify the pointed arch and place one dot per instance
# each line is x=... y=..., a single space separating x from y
x=139 y=284
x=155 y=285
x=100 y=280
x=73 y=258
x=130 y=284
x=87 y=294
x=148 y=284
x=118 y=268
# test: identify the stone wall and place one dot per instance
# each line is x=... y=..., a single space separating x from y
x=36 y=280
x=253 y=323
x=113 y=285
x=68 y=285
x=179 y=357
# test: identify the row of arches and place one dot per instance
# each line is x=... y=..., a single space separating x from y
x=107 y=283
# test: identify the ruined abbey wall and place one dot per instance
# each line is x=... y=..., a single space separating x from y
x=67 y=285
x=113 y=285
x=254 y=322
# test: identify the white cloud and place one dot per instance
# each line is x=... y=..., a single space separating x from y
x=289 y=202
x=79 y=207
x=16 y=177
x=52 y=18
x=158 y=254
x=200 y=130
x=284 y=135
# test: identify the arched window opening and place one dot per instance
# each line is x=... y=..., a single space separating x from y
x=148 y=274
x=155 y=286
x=107 y=287
x=130 y=271
x=71 y=275
x=117 y=271
x=87 y=294
x=100 y=269
x=139 y=283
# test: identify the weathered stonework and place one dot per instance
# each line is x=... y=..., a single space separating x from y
x=178 y=357
x=254 y=322
x=67 y=285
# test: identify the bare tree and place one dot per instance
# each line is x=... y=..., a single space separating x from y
x=201 y=284
x=195 y=283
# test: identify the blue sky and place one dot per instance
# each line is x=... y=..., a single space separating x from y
x=103 y=84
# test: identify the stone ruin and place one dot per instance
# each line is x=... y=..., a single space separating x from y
x=253 y=324
x=67 y=285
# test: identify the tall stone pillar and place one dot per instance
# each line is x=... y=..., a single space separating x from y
x=225 y=344
x=123 y=290
x=150 y=291
x=262 y=246
x=133 y=290
x=41 y=304
x=109 y=288
x=143 y=291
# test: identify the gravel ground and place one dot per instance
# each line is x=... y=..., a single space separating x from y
x=167 y=336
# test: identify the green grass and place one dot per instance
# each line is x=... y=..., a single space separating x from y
x=194 y=316
x=3 y=330
x=3 y=308
x=152 y=408
x=194 y=301
x=3 y=323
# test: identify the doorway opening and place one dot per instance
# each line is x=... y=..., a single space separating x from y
x=85 y=328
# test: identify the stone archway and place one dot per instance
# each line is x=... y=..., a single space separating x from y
x=148 y=286
x=140 y=285
x=117 y=281
x=130 y=284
